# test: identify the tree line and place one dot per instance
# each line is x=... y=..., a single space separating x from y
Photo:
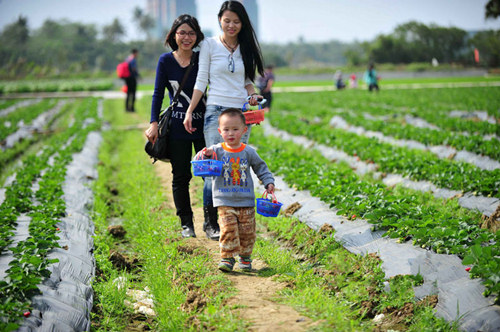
x=64 y=48
x=411 y=42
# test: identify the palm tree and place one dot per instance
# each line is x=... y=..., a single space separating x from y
x=113 y=32
x=493 y=9
x=144 y=21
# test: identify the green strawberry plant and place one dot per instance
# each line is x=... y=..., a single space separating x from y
x=27 y=114
x=440 y=225
x=416 y=164
x=397 y=128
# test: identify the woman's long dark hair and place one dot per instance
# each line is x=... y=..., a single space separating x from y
x=249 y=46
x=189 y=20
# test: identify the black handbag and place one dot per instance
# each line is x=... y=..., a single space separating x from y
x=160 y=149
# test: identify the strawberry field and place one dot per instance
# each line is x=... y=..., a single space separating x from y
x=419 y=167
x=380 y=130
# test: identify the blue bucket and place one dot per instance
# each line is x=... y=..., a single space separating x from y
x=207 y=167
x=268 y=207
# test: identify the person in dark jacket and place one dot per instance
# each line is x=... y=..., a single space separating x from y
x=131 y=80
x=184 y=35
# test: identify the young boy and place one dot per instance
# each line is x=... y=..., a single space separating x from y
x=233 y=191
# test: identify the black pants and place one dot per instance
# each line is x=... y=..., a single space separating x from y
x=131 y=89
x=181 y=156
x=373 y=86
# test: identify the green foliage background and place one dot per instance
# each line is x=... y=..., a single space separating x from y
x=72 y=49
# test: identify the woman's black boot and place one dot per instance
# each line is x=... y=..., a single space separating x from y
x=187 y=226
x=210 y=225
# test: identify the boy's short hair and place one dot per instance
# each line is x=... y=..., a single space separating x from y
x=233 y=112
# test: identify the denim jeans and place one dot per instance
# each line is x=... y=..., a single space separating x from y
x=181 y=154
x=212 y=137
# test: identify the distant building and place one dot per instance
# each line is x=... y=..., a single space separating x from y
x=164 y=12
x=253 y=13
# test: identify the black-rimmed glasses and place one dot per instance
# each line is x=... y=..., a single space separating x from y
x=183 y=33
x=230 y=65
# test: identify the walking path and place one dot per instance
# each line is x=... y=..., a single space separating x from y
x=253 y=300
x=391 y=86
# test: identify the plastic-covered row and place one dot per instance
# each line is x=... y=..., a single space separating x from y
x=66 y=297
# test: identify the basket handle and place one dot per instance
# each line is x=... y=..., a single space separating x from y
x=201 y=156
x=261 y=102
x=245 y=105
x=273 y=197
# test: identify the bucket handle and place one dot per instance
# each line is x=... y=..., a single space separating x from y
x=201 y=156
x=273 y=197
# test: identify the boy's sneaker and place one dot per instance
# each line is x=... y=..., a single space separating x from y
x=245 y=263
x=226 y=264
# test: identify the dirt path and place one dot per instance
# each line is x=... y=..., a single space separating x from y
x=255 y=293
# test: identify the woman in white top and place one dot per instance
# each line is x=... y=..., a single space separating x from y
x=228 y=62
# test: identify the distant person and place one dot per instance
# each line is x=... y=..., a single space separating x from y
x=233 y=191
x=228 y=62
x=131 y=80
x=371 y=78
x=353 y=81
x=339 y=82
x=265 y=83
x=184 y=35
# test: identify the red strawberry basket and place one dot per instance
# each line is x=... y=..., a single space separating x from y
x=253 y=116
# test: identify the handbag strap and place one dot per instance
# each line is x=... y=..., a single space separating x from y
x=184 y=79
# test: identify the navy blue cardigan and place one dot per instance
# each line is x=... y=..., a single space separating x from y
x=169 y=69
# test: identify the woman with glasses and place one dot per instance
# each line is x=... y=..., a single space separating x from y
x=228 y=64
x=184 y=35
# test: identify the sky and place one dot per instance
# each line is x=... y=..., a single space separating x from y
x=281 y=21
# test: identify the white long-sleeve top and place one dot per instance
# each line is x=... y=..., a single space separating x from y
x=225 y=88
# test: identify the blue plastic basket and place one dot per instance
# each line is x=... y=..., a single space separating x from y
x=207 y=167
x=268 y=207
